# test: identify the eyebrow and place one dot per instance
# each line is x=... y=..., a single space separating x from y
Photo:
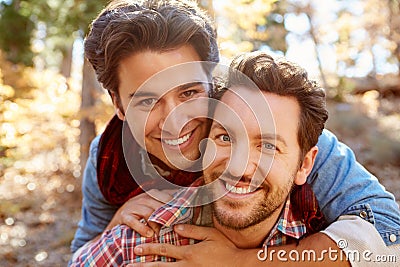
x=216 y=125
x=179 y=88
x=266 y=136
x=188 y=85
x=143 y=94
x=269 y=136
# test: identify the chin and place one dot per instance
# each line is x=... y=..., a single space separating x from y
x=180 y=162
x=239 y=215
x=233 y=220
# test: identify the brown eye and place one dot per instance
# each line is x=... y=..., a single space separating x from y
x=189 y=93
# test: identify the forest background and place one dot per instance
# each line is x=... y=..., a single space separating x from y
x=51 y=105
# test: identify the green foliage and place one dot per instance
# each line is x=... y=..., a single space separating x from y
x=64 y=21
x=249 y=25
x=343 y=88
x=10 y=208
x=276 y=31
x=64 y=17
x=16 y=29
x=61 y=18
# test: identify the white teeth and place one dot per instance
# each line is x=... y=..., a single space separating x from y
x=237 y=190
x=177 y=142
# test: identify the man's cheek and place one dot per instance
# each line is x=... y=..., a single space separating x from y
x=140 y=127
x=209 y=158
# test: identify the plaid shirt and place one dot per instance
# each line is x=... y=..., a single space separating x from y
x=115 y=247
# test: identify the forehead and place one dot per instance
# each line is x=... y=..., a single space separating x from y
x=174 y=77
x=258 y=112
x=136 y=69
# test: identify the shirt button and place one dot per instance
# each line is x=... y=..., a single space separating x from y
x=392 y=238
x=363 y=214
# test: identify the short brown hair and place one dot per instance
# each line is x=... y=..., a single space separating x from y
x=283 y=78
x=126 y=27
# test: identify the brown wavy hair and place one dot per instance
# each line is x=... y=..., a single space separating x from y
x=126 y=27
x=283 y=78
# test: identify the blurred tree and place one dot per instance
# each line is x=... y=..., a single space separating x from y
x=207 y=5
x=274 y=28
x=369 y=35
x=314 y=33
x=371 y=30
x=16 y=28
x=394 y=28
x=247 y=25
x=356 y=31
x=309 y=11
x=65 y=20
x=58 y=24
x=62 y=21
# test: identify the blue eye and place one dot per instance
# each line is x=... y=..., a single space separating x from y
x=269 y=146
x=224 y=138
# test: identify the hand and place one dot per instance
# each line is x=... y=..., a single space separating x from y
x=141 y=207
x=215 y=249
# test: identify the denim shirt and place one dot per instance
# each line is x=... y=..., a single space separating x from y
x=341 y=185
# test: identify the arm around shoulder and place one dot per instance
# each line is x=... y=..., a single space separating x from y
x=361 y=242
x=344 y=187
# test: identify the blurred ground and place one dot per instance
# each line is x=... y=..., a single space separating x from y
x=39 y=212
x=39 y=224
x=371 y=127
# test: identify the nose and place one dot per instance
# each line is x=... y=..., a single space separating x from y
x=173 y=119
x=243 y=161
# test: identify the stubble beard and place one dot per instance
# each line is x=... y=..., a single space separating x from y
x=269 y=203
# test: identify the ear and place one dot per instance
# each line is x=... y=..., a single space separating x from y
x=118 y=106
x=306 y=166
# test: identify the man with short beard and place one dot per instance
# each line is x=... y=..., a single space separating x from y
x=262 y=153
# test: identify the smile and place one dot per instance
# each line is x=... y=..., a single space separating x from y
x=179 y=141
x=237 y=190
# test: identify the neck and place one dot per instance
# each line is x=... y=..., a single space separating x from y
x=253 y=236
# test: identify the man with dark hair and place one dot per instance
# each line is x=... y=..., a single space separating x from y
x=260 y=150
x=129 y=42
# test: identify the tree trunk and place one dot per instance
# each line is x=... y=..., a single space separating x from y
x=66 y=63
x=87 y=126
x=394 y=23
x=314 y=38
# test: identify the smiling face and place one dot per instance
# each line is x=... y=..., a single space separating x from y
x=166 y=113
x=256 y=158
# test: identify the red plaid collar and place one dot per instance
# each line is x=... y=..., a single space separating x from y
x=178 y=210
x=288 y=223
x=287 y=226
x=301 y=216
